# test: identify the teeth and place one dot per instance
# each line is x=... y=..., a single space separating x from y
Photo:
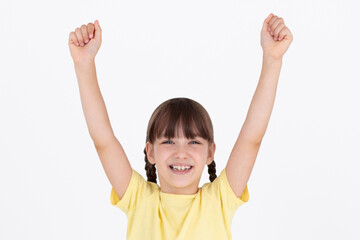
x=181 y=168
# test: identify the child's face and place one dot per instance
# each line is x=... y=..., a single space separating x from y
x=168 y=152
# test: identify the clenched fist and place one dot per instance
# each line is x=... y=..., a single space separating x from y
x=84 y=42
x=275 y=36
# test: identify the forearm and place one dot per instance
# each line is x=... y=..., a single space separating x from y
x=92 y=102
x=262 y=102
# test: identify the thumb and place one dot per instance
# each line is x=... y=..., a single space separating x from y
x=97 y=34
x=266 y=21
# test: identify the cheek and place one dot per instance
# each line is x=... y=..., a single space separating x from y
x=161 y=155
x=200 y=151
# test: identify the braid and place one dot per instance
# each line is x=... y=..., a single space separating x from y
x=212 y=171
x=150 y=169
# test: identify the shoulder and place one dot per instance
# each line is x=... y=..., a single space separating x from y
x=220 y=189
x=137 y=191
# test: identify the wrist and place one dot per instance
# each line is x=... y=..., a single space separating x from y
x=271 y=58
x=84 y=62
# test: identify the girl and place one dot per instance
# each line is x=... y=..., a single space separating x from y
x=179 y=142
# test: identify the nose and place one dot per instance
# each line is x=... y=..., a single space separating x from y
x=181 y=151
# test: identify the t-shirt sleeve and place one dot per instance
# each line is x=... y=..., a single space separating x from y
x=221 y=190
x=137 y=190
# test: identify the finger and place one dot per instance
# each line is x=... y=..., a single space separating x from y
x=269 y=17
x=266 y=21
x=84 y=33
x=272 y=20
x=284 y=32
x=274 y=25
x=79 y=36
x=98 y=30
x=90 y=30
x=73 y=39
x=278 y=28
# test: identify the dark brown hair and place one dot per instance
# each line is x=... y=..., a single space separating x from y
x=181 y=114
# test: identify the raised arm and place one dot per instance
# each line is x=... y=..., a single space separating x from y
x=93 y=105
x=110 y=151
x=246 y=148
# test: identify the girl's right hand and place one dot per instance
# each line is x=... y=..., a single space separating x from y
x=88 y=38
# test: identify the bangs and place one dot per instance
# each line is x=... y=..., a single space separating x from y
x=180 y=116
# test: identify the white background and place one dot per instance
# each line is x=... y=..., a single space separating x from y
x=305 y=182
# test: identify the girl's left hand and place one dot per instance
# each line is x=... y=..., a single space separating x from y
x=275 y=44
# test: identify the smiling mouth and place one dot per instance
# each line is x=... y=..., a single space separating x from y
x=180 y=171
x=172 y=167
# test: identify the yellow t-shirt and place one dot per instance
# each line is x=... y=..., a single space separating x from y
x=155 y=215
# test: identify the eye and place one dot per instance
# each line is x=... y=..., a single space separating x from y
x=167 y=141
x=195 y=142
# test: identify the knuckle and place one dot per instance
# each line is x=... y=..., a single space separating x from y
x=90 y=28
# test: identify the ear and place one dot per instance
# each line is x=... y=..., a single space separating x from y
x=211 y=154
x=150 y=152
